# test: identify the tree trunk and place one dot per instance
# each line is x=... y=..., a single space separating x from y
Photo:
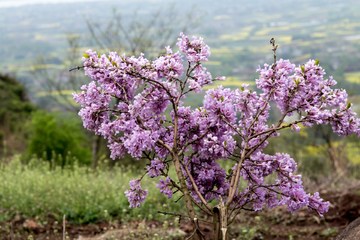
x=216 y=220
x=220 y=221
x=188 y=203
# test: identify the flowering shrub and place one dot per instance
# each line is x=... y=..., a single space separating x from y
x=193 y=139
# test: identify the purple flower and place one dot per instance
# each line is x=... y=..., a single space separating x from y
x=165 y=187
x=295 y=127
x=136 y=194
x=195 y=50
x=154 y=170
x=316 y=203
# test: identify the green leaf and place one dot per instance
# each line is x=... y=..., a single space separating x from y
x=303 y=69
x=225 y=144
x=86 y=55
x=114 y=64
x=242 y=88
x=212 y=95
x=222 y=98
x=230 y=169
x=317 y=62
x=296 y=81
x=199 y=109
x=161 y=121
x=348 y=105
x=110 y=59
x=99 y=55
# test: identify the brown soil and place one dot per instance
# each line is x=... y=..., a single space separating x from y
x=268 y=224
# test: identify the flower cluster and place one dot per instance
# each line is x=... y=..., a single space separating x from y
x=165 y=187
x=154 y=170
x=303 y=89
x=136 y=194
x=196 y=139
x=195 y=50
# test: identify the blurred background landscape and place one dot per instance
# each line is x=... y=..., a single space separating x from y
x=51 y=166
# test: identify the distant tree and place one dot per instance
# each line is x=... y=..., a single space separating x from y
x=15 y=109
x=138 y=35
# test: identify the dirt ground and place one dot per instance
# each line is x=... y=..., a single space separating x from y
x=268 y=224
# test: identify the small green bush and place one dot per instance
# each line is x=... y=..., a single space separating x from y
x=58 y=138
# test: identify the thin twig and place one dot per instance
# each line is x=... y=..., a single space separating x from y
x=191 y=235
x=78 y=68
x=191 y=142
x=235 y=178
x=179 y=198
x=196 y=221
x=64 y=230
x=239 y=201
x=180 y=215
x=196 y=188
x=11 y=231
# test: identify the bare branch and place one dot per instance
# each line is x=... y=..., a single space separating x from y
x=196 y=188
x=180 y=215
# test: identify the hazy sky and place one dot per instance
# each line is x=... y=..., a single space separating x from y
x=17 y=3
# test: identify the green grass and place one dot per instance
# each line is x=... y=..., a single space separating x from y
x=82 y=194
